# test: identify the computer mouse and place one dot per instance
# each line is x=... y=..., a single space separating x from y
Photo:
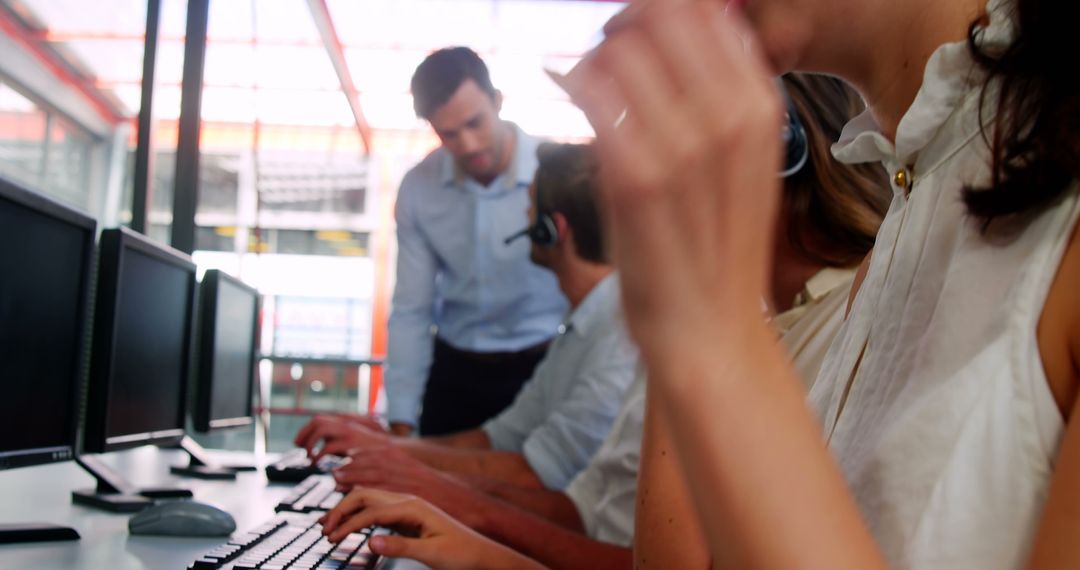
x=182 y=518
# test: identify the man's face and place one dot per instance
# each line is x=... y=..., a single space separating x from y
x=468 y=126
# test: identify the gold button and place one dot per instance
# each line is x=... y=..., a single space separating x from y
x=901 y=178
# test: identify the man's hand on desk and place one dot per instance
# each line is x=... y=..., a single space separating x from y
x=392 y=469
x=401 y=429
x=338 y=435
x=429 y=535
x=373 y=423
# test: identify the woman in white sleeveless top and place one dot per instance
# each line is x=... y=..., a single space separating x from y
x=945 y=402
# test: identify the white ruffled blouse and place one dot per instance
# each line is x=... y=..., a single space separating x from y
x=933 y=396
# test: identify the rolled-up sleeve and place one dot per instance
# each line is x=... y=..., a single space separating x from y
x=410 y=342
x=563 y=444
x=604 y=493
x=509 y=430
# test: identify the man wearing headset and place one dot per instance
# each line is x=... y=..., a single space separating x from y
x=566 y=409
x=494 y=312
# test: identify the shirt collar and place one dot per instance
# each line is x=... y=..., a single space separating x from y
x=817 y=287
x=821 y=284
x=516 y=174
x=602 y=300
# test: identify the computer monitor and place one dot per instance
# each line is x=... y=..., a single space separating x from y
x=227 y=325
x=225 y=369
x=46 y=262
x=139 y=362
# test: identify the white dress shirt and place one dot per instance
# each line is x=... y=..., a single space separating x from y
x=566 y=409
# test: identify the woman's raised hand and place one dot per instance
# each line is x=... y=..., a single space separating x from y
x=688 y=134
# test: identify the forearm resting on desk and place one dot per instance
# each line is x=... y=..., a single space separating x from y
x=553 y=506
x=400 y=429
x=553 y=545
x=469 y=439
x=503 y=466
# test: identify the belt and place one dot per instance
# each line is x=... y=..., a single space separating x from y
x=499 y=356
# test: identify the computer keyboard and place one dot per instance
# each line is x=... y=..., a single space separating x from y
x=294 y=467
x=316 y=493
x=292 y=541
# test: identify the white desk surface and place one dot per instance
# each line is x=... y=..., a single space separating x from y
x=43 y=494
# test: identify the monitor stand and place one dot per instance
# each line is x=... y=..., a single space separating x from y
x=116 y=494
x=35 y=532
x=202 y=466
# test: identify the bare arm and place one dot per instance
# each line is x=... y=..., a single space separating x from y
x=746 y=498
x=692 y=192
x=1059 y=347
x=502 y=466
x=554 y=506
x=429 y=535
x=550 y=543
x=469 y=439
x=666 y=529
x=555 y=546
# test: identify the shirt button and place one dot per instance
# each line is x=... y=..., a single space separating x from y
x=902 y=179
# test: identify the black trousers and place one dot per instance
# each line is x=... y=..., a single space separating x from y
x=465 y=389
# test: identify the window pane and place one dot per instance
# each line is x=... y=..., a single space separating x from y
x=22 y=138
x=335 y=243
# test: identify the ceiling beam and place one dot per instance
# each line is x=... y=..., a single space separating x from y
x=320 y=12
x=16 y=29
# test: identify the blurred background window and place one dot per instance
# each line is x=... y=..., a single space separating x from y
x=299 y=160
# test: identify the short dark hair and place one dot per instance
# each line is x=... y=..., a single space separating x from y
x=566 y=182
x=441 y=73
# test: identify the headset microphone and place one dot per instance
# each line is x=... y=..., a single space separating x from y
x=541 y=232
x=511 y=239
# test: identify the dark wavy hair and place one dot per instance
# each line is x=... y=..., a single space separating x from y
x=835 y=209
x=1035 y=136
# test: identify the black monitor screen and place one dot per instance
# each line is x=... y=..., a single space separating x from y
x=229 y=314
x=45 y=256
x=141 y=343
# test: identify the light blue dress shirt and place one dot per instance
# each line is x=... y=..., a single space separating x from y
x=456 y=274
x=566 y=409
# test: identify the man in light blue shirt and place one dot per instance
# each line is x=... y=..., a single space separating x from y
x=565 y=411
x=493 y=310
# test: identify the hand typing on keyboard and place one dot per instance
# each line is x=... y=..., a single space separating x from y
x=430 y=535
x=394 y=470
x=337 y=435
x=292 y=541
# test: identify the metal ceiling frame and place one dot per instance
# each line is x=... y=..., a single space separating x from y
x=15 y=28
x=320 y=13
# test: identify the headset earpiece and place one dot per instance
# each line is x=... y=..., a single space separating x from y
x=796 y=147
x=543 y=232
